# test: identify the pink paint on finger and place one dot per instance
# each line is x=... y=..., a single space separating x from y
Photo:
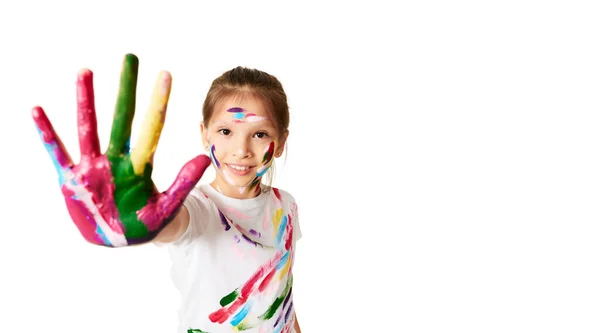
x=86 y=116
x=164 y=205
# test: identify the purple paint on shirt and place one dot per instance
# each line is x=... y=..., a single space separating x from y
x=224 y=221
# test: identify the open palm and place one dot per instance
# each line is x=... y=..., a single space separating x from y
x=111 y=197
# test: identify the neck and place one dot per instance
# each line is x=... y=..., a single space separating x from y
x=235 y=192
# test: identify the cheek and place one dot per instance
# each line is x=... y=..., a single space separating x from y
x=266 y=158
x=214 y=156
x=217 y=149
x=268 y=152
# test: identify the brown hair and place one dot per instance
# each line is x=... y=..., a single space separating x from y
x=242 y=81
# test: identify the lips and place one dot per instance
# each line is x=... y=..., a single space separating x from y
x=239 y=170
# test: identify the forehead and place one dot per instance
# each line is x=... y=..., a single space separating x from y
x=240 y=108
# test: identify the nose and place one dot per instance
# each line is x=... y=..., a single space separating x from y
x=241 y=150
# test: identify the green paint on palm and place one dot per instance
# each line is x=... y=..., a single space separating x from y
x=273 y=308
x=131 y=194
x=125 y=108
x=229 y=298
x=195 y=330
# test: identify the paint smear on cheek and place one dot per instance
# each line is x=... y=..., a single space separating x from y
x=267 y=158
x=268 y=152
x=213 y=157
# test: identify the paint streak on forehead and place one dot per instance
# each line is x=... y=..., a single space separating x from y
x=240 y=116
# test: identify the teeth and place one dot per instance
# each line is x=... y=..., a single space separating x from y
x=238 y=167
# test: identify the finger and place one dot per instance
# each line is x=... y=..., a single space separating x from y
x=125 y=108
x=153 y=124
x=163 y=207
x=59 y=155
x=187 y=178
x=86 y=116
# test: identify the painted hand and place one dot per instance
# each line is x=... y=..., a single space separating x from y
x=111 y=197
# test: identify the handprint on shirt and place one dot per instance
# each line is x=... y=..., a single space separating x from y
x=111 y=197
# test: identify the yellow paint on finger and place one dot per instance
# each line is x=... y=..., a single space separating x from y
x=153 y=124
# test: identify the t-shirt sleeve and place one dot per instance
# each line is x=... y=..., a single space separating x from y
x=197 y=206
x=297 y=230
x=293 y=209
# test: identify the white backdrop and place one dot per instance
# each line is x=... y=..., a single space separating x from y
x=444 y=156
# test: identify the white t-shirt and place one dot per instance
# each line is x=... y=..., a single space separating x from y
x=233 y=265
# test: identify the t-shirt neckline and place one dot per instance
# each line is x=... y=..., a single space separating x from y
x=234 y=202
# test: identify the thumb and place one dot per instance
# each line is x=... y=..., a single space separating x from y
x=188 y=177
x=163 y=206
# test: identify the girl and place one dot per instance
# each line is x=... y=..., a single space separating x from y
x=231 y=241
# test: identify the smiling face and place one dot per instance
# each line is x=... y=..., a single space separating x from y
x=242 y=142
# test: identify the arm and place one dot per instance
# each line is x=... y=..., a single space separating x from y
x=176 y=228
x=296 y=326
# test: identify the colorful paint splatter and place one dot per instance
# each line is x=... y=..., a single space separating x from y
x=254 y=184
x=240 y=115
x=274 y=276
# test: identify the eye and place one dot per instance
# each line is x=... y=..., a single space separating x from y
x=224 y=131
x=262 y=135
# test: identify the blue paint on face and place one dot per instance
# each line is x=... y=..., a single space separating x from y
x=261 y=173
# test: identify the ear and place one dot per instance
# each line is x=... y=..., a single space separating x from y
x=204 y=134
x=281 y=143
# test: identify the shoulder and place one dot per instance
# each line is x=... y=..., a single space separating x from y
x=287 y=200
x=282 y=195
x=201 y=208
x=197 y=201
x=291 y=209
x=198 y=193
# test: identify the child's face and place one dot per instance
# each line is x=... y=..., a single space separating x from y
x=242 y=142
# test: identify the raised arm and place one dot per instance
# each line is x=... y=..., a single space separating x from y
x=174 y=230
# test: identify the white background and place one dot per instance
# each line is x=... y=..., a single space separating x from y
x=444 y=156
